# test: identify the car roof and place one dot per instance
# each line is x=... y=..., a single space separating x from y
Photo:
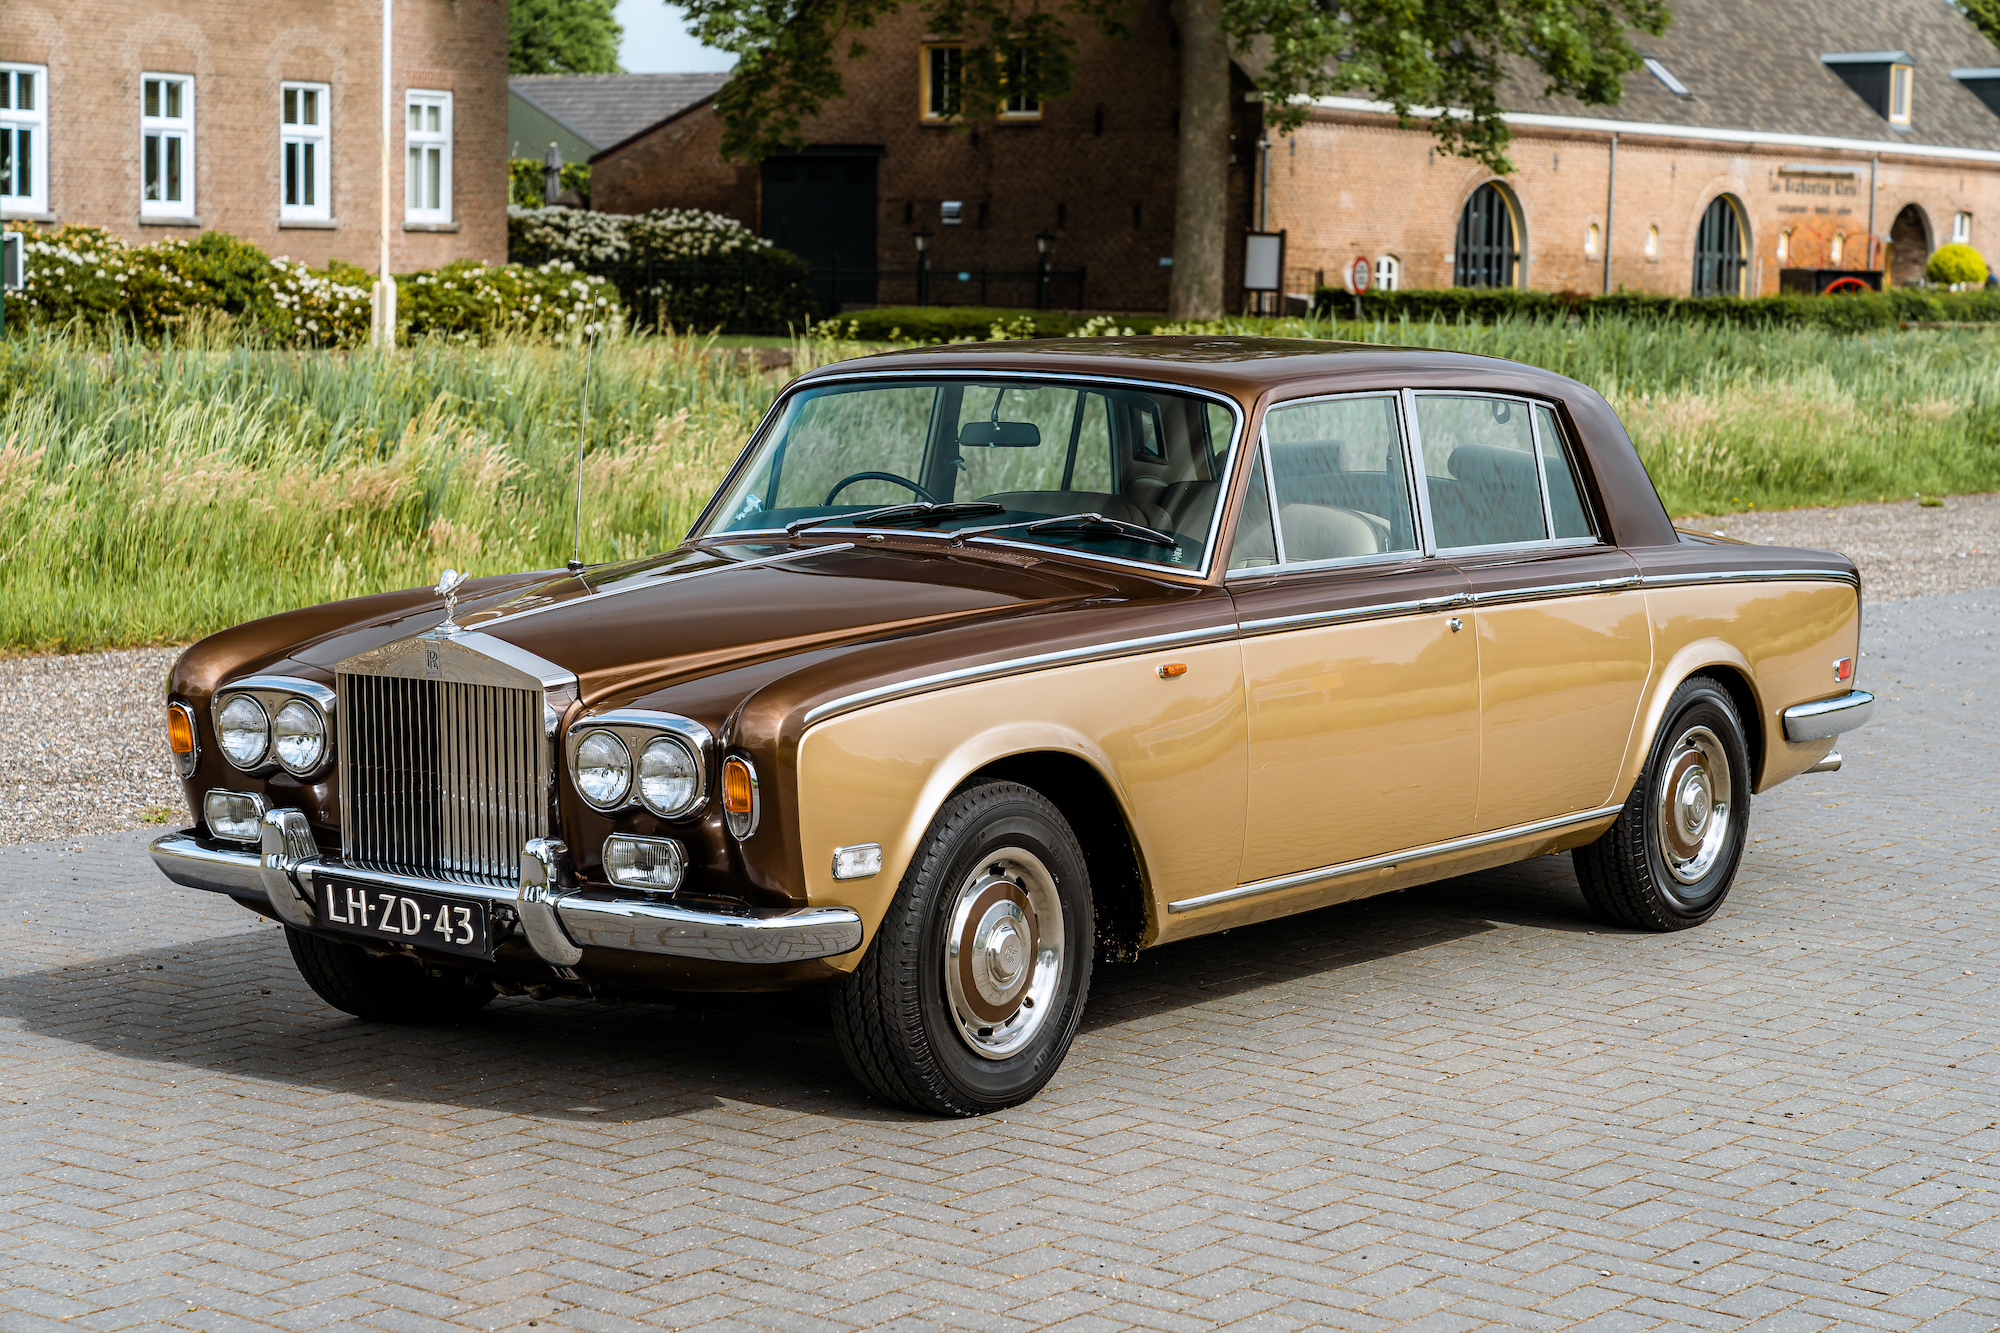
x=1243 y=367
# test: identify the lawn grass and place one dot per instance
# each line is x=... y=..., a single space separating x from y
x=154 y=494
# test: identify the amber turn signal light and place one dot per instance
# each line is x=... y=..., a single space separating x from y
x=1172 y=669
x=180 y=731
x=737 y=787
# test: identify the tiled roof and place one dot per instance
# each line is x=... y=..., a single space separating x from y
x=1755 y=65
x=606 y=109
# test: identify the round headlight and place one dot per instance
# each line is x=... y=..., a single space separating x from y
x=299 y=735
x=669 y=781
x=245 y=733
x=603 y=769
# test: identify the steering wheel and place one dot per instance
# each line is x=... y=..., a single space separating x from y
x=853 y=477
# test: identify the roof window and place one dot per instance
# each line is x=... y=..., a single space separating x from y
x=1883 y=79
x=1666 y=76
x=1983 y=84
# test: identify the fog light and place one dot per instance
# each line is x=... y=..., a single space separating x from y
x=644 y=863
x=237 y=816
x=857 y=862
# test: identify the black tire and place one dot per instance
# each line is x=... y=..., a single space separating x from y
x=908 y=1030
x=1634 y=875
x=383 y=990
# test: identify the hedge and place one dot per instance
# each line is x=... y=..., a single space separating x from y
x=86 y=275
x=1856 y=311
x=941 y=324
x=684 y=268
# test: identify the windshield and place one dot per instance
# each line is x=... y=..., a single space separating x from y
x=1024 y=460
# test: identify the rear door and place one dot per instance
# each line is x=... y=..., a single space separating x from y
x=1565 y=644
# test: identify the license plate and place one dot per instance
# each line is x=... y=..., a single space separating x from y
x=455 y=925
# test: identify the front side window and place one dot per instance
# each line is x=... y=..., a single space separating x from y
x=943 y=81
x=427 y=138
x=1338 y=481
x=166 y=148
x=24 y=143
x=303 y=135
x=1104 y=470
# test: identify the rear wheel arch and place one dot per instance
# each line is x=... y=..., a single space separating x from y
x=1727 y=667
x=1111 y=852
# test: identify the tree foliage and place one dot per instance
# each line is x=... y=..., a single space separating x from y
x=1986 y=15
x=562 y=37
x=1415 y=55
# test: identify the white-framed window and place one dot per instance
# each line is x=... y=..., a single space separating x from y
x=1899 y=94
x=1017 y=106
x=1961 y=229
x=166 y=146
x=427 y=134
x=1388 y=273
x=24 y=138
x=304 y=148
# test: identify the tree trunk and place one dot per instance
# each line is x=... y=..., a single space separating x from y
x=1201 y=192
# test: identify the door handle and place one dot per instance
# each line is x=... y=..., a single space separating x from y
x=1456 y=624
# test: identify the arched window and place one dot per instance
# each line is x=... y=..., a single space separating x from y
x=1836 y=249
x=1487 y=254
x=1652 y=242
x=1785 y=247
x=1388 y=273
x=1590 y=235
x=1718 y=251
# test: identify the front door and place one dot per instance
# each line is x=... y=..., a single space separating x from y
x=1565 y=644
x=1361 y=673
x=821 y=207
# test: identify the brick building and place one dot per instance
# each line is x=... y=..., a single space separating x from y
x=261 y=118
x=1809 y=136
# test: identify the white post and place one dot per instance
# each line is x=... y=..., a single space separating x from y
x=384 y=303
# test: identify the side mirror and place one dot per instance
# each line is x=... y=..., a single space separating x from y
x=999 y=435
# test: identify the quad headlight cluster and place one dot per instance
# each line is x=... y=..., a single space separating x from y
x=634 y=756
x=263 y=724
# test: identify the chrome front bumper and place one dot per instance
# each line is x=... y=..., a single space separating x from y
x=559 y=919
x=1823 y=719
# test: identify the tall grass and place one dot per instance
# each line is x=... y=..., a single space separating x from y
x=153 y=494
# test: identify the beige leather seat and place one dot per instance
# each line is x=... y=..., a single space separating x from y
x=1322 y=532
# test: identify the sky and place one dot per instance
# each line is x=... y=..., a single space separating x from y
x=656 y=42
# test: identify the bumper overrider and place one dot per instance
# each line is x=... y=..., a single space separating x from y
x=559 y=919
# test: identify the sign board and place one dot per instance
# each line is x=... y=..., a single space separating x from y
x=1263 y=261
x=1358 y=274
x=13 y=258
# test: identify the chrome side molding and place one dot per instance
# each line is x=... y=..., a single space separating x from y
x=1823 y=719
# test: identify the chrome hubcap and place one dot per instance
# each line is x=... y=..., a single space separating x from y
x=1694 y=805
x=1004 y=956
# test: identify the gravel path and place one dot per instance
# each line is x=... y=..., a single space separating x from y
x=83 y=745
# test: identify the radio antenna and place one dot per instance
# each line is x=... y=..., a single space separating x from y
x=582 y=434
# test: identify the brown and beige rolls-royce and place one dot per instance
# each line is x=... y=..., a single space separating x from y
x=990 y=662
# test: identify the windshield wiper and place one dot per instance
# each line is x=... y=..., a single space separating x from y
x=898 y=512
x=1083 y=525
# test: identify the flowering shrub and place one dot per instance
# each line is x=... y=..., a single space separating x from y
x=1956 y=264
x=674 y=266
x=470 y=300
x=87 y=274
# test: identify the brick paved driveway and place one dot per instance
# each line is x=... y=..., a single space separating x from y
x=1459 y=1107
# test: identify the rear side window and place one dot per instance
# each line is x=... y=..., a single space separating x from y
x=1337 y=468
x=1481 y=471
x=1566 y=511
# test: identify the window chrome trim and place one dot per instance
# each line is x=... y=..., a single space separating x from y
x=1286 y=565
x=636 y=728
x=1580 y=589
x=272 y=693
x=1413 y=465
x=1547 y=541
x=1377 y=611
x=1238 y=417
x=1015 y=667
x=1390 y=860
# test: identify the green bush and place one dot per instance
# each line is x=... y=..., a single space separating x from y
x=675 y=267
x=1955 y=264
x=86 y=275
x=1847 y=312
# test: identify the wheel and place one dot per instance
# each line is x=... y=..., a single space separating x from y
x=1668 y=862
x=971 y=991
x=853 y=477
x=383 y=990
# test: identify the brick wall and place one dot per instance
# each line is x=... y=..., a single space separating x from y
x=238 y=51
x=1097 y=170
x=1353 y=184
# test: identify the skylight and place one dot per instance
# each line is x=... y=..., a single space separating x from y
x=1666 y=76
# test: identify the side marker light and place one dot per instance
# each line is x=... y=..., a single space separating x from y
x=1172 y=669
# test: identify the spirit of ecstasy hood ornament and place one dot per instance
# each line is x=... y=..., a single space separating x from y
x=447 y=588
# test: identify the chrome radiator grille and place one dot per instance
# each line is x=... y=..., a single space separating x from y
x=441 y=778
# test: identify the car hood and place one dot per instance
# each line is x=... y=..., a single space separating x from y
x=629 y=628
